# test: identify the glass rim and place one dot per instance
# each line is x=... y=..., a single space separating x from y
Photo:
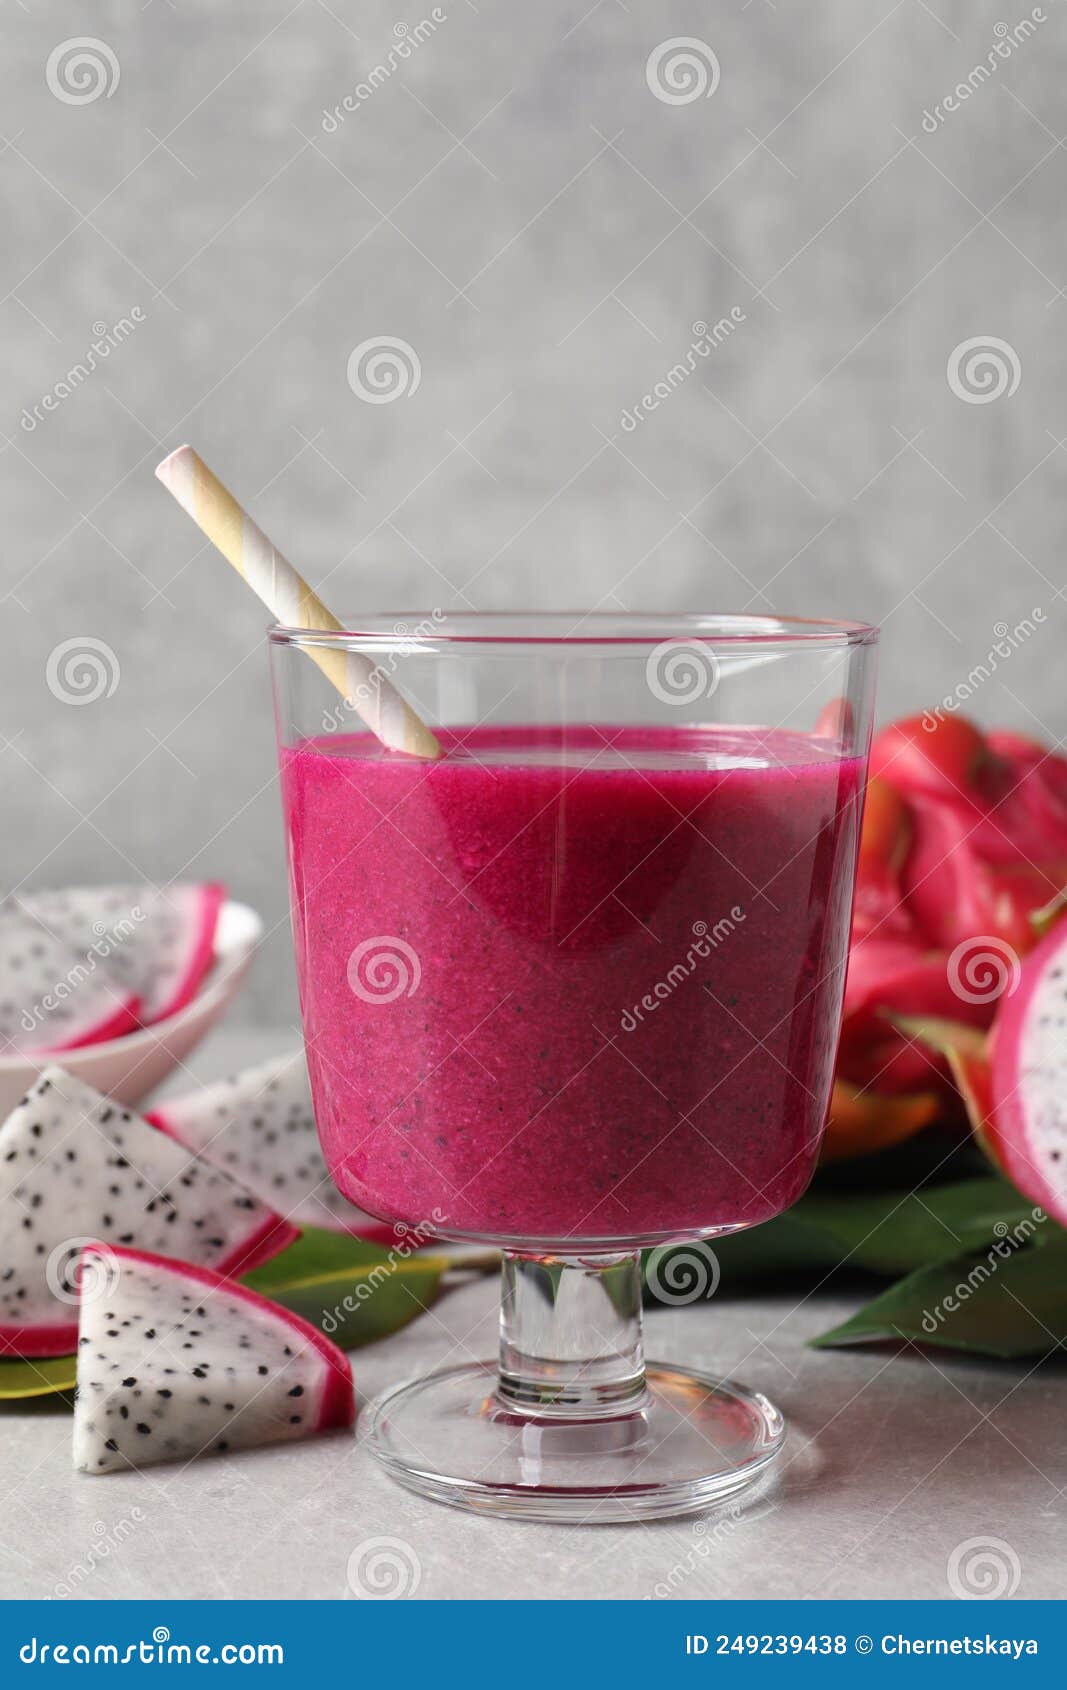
x=428 y=630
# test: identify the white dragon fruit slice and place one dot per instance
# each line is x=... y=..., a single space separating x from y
x=175 y=1362
x=1027 y=1130
x=155 y=942
x=259 y=1126
x=52 y=997
x=74 y=1166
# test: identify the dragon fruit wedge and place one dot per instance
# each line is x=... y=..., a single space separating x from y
x=259 y=1126
x=175 y=1361
x=155 y=942
x=77 y=1166
x=52 y=997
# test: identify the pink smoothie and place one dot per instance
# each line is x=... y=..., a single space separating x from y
x=572 y=991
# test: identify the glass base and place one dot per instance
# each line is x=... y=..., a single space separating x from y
x=686 y=1442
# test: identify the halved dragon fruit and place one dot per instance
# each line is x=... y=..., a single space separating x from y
x=155 y=942
x=74 y=1166
x=175 y=1362
x=1027 y=1129
x=1013 y=1080
x=259 y=1126
x=53 y=997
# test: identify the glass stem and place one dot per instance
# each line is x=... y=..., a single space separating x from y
x=570 y=1335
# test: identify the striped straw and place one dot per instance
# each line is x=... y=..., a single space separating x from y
x=294 y=604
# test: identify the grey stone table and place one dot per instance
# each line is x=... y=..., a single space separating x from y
x=892 y=1463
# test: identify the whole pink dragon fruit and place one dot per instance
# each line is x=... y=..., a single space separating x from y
x=964 y=845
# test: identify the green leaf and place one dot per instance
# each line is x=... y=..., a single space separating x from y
x=353 y=1291
x=893 y=1233
x=41 y=1378
x=783 y=1245
x=1007 y=1307
x=316 y=1251
x=888 y=1233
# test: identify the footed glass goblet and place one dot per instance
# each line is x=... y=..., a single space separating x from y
x=574 y=990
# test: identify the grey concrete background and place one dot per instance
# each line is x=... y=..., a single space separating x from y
x=517 y=204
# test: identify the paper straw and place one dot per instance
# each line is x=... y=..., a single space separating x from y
x=285 y=592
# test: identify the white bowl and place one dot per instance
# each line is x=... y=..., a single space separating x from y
x=131 y=1067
